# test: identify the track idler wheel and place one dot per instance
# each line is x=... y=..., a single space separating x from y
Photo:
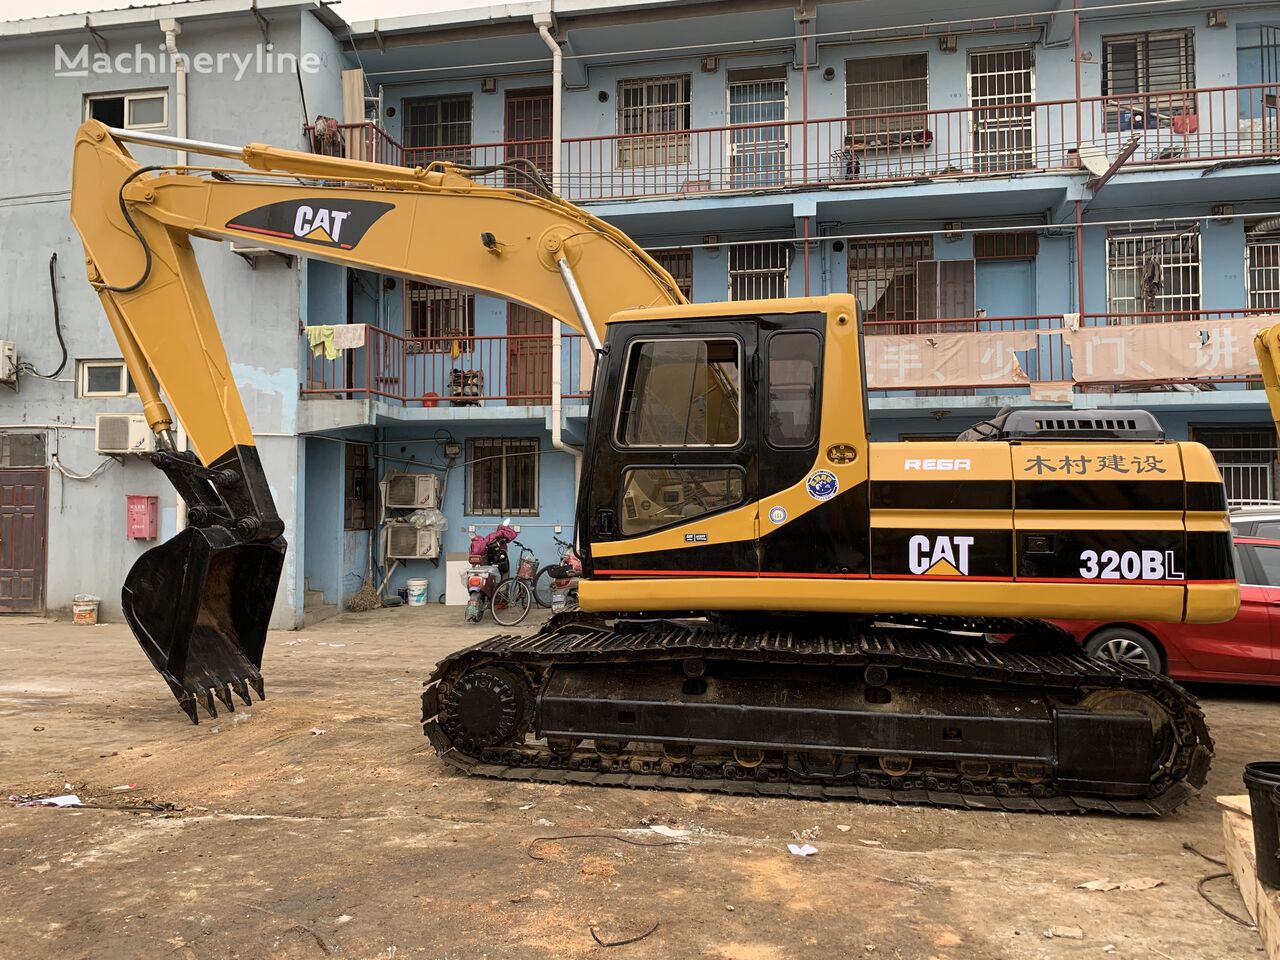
x=485 y=707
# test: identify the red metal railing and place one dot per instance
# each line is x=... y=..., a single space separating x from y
x=449 y=371
x=1180 y=126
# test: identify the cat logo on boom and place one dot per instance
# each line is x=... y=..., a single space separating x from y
x=939 y=557
x=316 y=221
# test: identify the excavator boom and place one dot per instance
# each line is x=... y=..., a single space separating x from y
x=200 y=603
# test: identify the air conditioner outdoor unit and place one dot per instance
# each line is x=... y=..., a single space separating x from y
x=8 y=362
x=413 y=490
x=405 y=541
x=121 y=433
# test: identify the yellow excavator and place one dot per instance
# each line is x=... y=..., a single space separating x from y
x=770 y=603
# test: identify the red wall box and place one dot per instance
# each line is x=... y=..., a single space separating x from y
x=140 y=517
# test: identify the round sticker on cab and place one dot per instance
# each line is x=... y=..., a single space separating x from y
x=822 y=485
x=778 y=515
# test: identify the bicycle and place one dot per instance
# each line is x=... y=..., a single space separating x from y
x=544 y=581
x=513 y=597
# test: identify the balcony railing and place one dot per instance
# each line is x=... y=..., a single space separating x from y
x=1182 y=126
x=450 y=371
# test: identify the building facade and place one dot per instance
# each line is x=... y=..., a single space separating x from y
x=1070 y=209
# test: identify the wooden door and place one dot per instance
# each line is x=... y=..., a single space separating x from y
x=528 y=355
x=24 y=498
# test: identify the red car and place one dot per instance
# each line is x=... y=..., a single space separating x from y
x=1243 y=650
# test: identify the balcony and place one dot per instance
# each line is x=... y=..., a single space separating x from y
x=454 y=372
x=1056 y=357
x=1172 y=127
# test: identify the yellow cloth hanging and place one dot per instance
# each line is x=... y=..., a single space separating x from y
x=321 y=339
x=455 y=349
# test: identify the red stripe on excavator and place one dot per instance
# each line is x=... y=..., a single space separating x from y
x=264 y=230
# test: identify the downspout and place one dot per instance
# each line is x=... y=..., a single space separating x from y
x=171 y=30
x=543 y=22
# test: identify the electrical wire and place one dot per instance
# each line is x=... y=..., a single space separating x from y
x=71 y=475
x=1235 y=918
x=57 y=326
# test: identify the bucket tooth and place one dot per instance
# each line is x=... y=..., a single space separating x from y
x=241 y=687
x=224 y=694
x=188 y=705
x=257 y=685
x=208 y=703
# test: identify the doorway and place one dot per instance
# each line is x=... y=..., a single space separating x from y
x=24 y=527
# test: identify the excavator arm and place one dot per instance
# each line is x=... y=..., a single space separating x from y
x=200 y=603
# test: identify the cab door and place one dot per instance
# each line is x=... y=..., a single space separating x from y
x=672 y=480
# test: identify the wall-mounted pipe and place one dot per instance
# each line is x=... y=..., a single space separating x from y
x=543 y=22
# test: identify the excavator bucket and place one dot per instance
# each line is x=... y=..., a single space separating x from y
x=199 y=605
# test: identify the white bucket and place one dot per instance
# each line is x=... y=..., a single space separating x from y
x=417 y=591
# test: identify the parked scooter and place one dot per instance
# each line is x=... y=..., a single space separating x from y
x=488 y=581
x=556 y=585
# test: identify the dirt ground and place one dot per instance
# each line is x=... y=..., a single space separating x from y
x=358 y=843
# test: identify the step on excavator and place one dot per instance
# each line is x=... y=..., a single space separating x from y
x=770 y=604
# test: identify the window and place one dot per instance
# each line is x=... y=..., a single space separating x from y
x=793 y=389
x=1152 y=275
x=758 y=271
x=139 y=110
x=502 y=477
x=678 y=263
x=357 y=494
x=1269 y=563
x=758 y=132
x=439 y=317
x=1006 y=246
x=882 y=275
x=1138 y=69
x=1262 y=255
x=1148 y=62
x=944 y=291
x=653 y=117
x=1246 y=457
x=434 y=124
x=654 y=497
x=895 y=85
x=103 y=378
x=681 y=393
x=22 y=450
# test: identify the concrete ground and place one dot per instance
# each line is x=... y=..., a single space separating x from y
x=357 y=842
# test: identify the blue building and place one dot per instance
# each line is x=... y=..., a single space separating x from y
x=1033 y=209
x=1073 y=209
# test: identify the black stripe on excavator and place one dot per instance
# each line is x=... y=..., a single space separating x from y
x=830 y=538
x=954 y=494
x=1165 y=556
x=1206 y=495
x=1210 y=556
x=1135 y=495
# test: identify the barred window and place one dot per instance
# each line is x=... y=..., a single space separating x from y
x=438 y=122
x=882 y=276
x=439 y=317
x=1152 y=277
x=653 y=117
x=502 y=477
x=1262 y=252
x=895 y=85
x=678 y=263
x=759 y=271
x=1148 y=62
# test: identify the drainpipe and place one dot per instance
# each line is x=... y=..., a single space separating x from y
x=171 y=30
x=543 y=22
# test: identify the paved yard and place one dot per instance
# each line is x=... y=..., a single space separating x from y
x=358 y=843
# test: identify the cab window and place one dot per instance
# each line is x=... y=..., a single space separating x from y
x=682 y=393
x=655 y=497
x=793 y=389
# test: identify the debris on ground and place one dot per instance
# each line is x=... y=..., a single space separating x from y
x=843 y=827
x=622 y=943
x=1064 y=933
x=317 y=732
x=871 y=843
x=66 y=800
x=809 y=833
x=1104 y=885
x=666 y=831
x=527 y=806
x=805 y=850
x=123 y=787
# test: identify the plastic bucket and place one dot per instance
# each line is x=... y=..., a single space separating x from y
x=1263 y=782
x=84 y=609
x=417 y=591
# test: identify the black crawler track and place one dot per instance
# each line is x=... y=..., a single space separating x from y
x=926 y=652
